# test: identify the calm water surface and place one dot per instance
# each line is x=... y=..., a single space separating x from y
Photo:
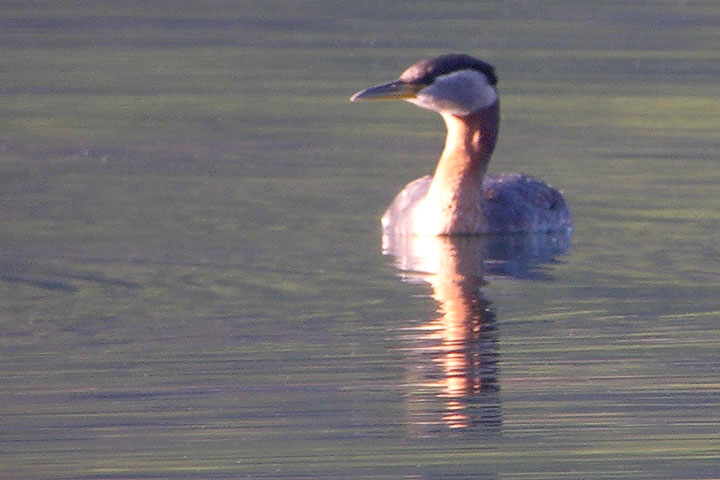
x=192 y=282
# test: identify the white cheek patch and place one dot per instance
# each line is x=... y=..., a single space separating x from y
x=459 y=93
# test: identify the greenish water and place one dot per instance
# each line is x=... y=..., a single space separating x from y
x=191 y=276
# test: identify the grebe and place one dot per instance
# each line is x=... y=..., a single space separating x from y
x=459 y=198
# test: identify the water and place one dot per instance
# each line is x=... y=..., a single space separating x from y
x=192 y=278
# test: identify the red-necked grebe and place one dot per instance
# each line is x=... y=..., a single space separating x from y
x=459 y=198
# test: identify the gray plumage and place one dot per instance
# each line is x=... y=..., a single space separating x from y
x=512 y=203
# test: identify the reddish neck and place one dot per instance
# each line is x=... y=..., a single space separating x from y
x=470 y=142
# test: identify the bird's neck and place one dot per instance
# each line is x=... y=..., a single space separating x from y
x=469 y=144
x=456 y=185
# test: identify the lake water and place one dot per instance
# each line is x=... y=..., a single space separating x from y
x=192 y=281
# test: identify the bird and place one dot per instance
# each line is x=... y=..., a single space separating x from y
x=459 y=198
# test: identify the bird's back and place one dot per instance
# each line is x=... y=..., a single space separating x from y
x=511 y=203
x=519 y=203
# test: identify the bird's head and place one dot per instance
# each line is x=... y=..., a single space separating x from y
x=455 y=84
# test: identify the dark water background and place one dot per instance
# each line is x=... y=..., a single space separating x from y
x=191 y=277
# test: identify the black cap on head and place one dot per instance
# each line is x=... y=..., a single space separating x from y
x=426 y=71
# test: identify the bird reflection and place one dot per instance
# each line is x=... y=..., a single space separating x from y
x=455 y=357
